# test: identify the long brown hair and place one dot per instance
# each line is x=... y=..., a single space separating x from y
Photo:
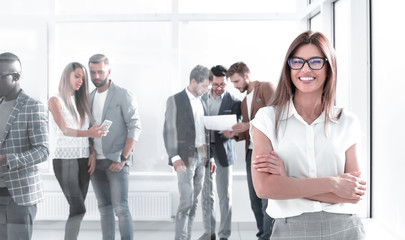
x=286 y=89
x=81 y=96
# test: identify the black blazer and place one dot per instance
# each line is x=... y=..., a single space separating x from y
x=225 y=147
x=179 y=129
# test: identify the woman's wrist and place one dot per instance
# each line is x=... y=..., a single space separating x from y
x=332 y=184
x=87 y=133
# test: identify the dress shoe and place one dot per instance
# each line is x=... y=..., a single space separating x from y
x=206 y=236
x=223 y=239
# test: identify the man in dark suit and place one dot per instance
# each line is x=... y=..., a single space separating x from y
x=23 y=145
x=219 y=102
x=258 y=95
x=186 y=144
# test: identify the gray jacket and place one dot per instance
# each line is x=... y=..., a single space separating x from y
x=121 y=108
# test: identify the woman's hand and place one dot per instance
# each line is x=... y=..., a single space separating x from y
x=269 y=163
x=350 y=186
x=92 y=162
x=97 y=131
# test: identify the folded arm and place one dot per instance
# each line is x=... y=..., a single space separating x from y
x=348 y=187
x=351 y=167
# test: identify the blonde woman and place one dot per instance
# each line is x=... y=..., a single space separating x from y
x=73 y=157
x=305 y=157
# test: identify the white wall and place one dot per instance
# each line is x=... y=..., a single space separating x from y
x=388 y=115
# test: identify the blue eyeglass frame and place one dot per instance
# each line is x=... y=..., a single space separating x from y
x=306 y=61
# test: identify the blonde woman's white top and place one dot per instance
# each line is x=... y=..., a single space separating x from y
x=66 y=147
x=307 y=152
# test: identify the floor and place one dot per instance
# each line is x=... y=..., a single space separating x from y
x=143 y=230
x=164 y=230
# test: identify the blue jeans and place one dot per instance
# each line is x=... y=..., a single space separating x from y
x=15 y=221
x=263 y=221
x=111 y=189
x=73 y=178
x=190 y=184
x=223 y=181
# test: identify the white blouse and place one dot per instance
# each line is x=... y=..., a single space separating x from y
x=65 y=147
x=307 y=152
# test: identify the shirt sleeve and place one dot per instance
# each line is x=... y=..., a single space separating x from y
x=175 y=158
x=170 y=129
x=35 y=134
x=130 y=111
x=352 y=128
x=263 y=121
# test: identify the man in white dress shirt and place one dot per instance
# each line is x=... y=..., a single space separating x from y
x=186 y=144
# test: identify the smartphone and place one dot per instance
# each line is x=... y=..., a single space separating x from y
x=106 y=125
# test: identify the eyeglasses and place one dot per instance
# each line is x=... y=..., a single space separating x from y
x=7 y=74
x=215 y=85
x=315 y=63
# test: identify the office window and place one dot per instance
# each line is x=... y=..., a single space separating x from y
x=161 y=53
x=342 y=38
x=98 y=7
x=315 y=23
x=237 y=6
x=141 y=60
x=353 y=90
x=260 y=44
x=28 y=41
x=24 y=8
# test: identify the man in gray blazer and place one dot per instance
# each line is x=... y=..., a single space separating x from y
x=114 y=151
x=23 y=145
x=219 y=102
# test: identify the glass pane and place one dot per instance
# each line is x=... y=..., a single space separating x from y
x=25 y=8
x=140 y=60
x=342 y=38
x=316 y=23
x=71 y=7
x=344 y=90
x=28 y=41
x=237 y=6
x=261 y=45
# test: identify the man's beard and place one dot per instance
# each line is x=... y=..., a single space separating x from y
x=102 y=82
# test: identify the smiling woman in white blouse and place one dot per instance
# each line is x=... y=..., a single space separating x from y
x=305 y=149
